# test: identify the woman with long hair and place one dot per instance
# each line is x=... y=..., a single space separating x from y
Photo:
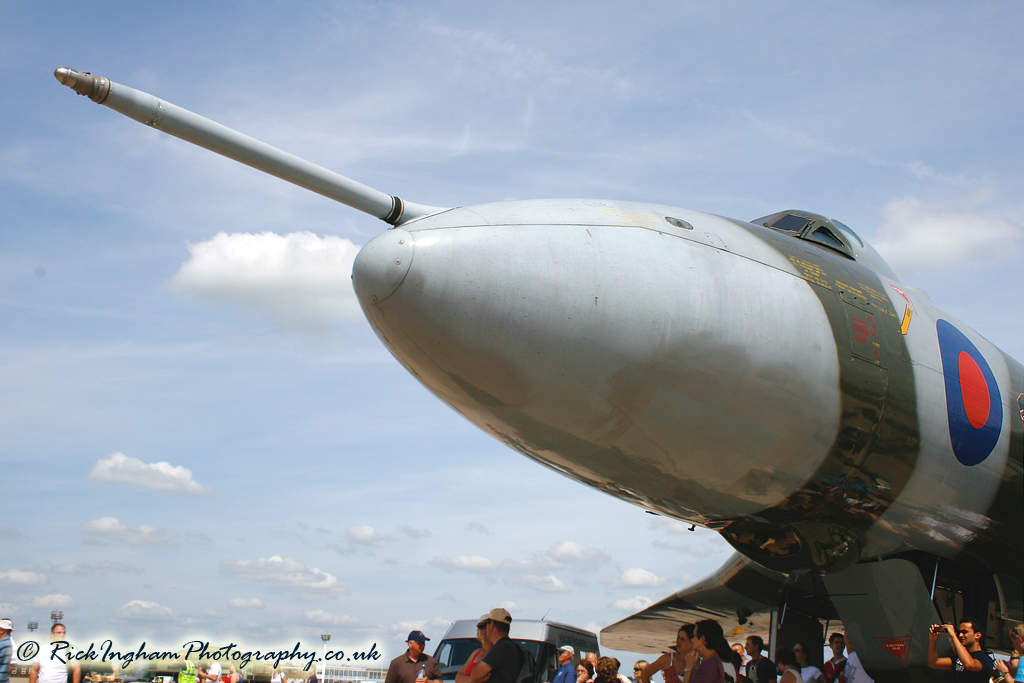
x=672 y=663
x=478 y=655
x=584 y=671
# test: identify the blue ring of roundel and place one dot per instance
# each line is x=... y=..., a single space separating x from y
x=970 y=445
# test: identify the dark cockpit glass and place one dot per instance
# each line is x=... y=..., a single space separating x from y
x=826 y=236
x=791 y=223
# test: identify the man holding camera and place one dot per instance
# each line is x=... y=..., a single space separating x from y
x=971 y=664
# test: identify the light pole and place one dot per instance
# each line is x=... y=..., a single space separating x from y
x=32 y=626
x=56 y=616
x=325 y=637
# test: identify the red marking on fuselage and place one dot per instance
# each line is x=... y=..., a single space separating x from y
x=974 y=390
x=899 y=648
x=863 y=329
x=903 y=294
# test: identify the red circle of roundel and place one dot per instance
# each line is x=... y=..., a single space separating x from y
x=974 y=391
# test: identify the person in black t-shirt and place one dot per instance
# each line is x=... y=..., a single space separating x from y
x=760 y=669
x=505 y=660
x=971 y=664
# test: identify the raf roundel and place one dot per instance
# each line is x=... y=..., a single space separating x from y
x=972 y=396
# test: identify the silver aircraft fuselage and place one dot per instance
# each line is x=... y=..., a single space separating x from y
x=721 y=372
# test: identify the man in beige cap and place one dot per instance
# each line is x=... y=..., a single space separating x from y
x=566 y=671
x=505 y=660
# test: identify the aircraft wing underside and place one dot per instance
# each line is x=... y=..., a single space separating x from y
x=738 y=591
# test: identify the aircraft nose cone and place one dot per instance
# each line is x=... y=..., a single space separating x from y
x=381 y=266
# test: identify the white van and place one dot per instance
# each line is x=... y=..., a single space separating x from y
x=539 y=640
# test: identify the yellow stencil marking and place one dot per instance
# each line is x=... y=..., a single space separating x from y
x=907 y=314
x=641 y=220
x=812 y=272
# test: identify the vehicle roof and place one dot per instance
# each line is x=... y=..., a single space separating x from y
x=530 y=629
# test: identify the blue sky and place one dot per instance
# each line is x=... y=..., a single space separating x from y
x=325 y=489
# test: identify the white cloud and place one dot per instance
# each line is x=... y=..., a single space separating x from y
x=413 y=532
x=287 y=574
x=632 y=605
x=546 y=583
x=322 y=618
x=53 y=601
x=362 y=533
x=536 y=563
x=144 y=610
x=89 y=568
x=115 y=530
x=510 y=606
x=10 y=532
x=246 y=603
x=298 y=279
x=22 y=578
x=640 y=578
x=701 y=549
x=571 y=551
x=402 y=628
x=161 y=476
x=466 y=563
x=919 y=236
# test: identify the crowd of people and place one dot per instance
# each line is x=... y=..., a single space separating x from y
x=701 y=655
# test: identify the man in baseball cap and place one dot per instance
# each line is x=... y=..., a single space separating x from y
x=505 y=660
x=414 y=665
x=566 y=670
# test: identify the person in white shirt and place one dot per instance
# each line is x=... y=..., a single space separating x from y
x=809 y=672
x=855 y=672
x=212 y=674
x=47 y=668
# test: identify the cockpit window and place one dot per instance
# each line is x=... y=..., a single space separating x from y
x=848 y=232
x=814 y=228
x=826 y=236
x=791 y=223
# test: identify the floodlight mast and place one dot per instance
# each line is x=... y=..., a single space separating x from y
x=201 y=131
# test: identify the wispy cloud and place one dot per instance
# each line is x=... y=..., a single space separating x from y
x=286 y=574
x=161 y=476
x=412 y=532
x=144 y=610
x=574 y=552
x=632 y=604
x=545 y=583
x=465 y=563
x=91 y=568
x=362 y=533
x=927 y=236
x=19 y=577
x=640 y=578
x=113 y=529
x=246 y=603
x=322 y=618
x=53 y=601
